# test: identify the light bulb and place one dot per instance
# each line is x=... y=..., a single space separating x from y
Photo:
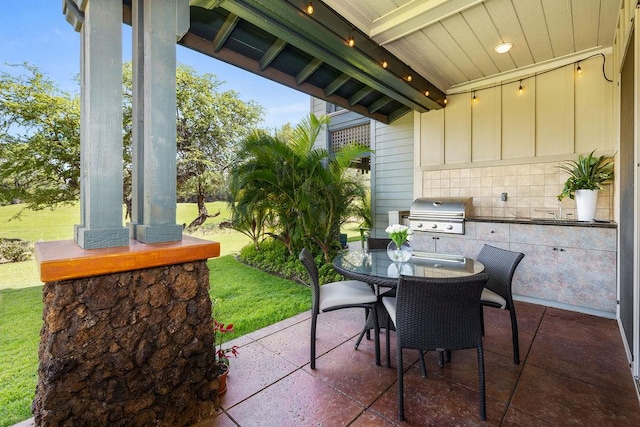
x=445 y=100
x=310 y=8
x=385 y=64
x=475 y=100
x=579 y=70
x=409 y=78
x=426 y=93
x=351 y=42
x=520 y=87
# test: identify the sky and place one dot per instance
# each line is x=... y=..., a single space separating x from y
x=35 y=31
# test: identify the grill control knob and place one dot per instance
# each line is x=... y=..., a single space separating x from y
x=419 y=225
x=434 y=226
x=449 y=227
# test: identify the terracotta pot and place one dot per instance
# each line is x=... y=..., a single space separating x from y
x=223 y=371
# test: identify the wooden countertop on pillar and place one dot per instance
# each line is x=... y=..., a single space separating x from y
x=64 y=259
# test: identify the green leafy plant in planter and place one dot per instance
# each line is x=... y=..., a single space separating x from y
x=586 y=173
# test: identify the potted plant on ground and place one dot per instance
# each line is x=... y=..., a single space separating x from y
x=221 y=356
x=587 y=176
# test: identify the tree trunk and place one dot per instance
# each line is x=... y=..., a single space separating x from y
x=203 y=214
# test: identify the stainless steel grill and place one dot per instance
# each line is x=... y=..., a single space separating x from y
x=441 y=215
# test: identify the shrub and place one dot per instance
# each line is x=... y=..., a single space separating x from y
x=273 y=256
x=15 y=250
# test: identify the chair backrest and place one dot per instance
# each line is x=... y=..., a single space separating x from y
x=311 y=267
x=439 y=313
x=500 y=265
x=377 y=243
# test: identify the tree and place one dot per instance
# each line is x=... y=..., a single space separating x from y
x=210 y=124
x=300 y=193
x=39 y=141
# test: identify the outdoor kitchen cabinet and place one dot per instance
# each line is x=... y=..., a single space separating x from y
x=566 y=265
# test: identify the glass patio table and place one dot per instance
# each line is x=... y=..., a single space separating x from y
x=375 y=267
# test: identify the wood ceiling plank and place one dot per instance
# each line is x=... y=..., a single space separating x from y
x=428 y=61
x=587 y=14
x=534 y=26
x=560 y=25
x=450 y=48
x=458 y=28
x=360 y=95
x=608 y=20
x=379 y=104
x=506 y=22
x=482 y=26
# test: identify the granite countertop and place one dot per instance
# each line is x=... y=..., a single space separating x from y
x=546 y=221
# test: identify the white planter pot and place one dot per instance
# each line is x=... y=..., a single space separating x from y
x=586 y=204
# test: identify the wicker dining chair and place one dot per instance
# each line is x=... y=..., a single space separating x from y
x=437 y=314
x=500 y=265
x=374 y=243
x=337 y=295
x=377 y=243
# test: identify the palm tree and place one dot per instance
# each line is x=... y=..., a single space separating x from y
x=304 y=191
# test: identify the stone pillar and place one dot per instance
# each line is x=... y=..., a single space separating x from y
x=100 y=124
x=127 y=337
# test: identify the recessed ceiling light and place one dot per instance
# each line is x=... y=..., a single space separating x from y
x=503 y=47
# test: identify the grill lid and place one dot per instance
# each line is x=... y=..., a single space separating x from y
x=442 y=207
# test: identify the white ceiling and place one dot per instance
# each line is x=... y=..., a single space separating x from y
x=450 y=42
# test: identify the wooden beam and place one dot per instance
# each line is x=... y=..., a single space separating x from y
x=227 y=28
x=336 y=84
x=271 y=54
x=307 y=71
x=379 y=104
x=359 y=95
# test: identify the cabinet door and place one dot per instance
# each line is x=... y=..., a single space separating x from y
x=491 y=232
x=587 y=278
x=536 y=275
x=456 y=246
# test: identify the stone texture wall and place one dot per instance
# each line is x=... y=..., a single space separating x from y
x=132 y=348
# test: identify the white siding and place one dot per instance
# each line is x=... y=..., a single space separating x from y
x=391 y=169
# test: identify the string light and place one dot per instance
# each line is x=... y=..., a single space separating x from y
x=475 y=100
x=426 y=92
x=351 y=42
x=520 y=88
x=579 y=70
x=385 y=64
x=445 y=101
x=409 y=77
x=310 y=8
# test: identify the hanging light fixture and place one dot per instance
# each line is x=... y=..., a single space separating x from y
x=475 y=100
x=310 y=8
x=579 y=70
x=520 y=87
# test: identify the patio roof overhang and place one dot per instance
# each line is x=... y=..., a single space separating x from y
x=280 y=41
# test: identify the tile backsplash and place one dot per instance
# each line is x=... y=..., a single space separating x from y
x=531 y=190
